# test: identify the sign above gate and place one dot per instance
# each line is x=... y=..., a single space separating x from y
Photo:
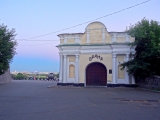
x=96 y=56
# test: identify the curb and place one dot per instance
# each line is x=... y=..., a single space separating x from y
x=157 y=91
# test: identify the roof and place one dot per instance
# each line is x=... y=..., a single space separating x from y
x=69 y=34
x=94 y=44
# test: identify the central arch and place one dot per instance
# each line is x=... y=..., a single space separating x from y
x=96 y=74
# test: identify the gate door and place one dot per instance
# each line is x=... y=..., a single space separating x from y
x=96 y=75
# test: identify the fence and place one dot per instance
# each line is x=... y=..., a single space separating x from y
x=150 y=83
x=6 y=77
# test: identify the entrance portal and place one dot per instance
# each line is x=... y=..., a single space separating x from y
x=96 y=74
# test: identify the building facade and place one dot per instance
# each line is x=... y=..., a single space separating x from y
x=93 y=58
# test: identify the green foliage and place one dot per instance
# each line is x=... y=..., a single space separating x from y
x=42 y=77
x=57 y=75
x=13 y=76
x=146 y=60
x=7 y=47
x=21 y=76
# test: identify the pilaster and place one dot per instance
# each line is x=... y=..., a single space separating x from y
x=77 y=39
x=126 y=73
x=127 y=37
x=114 y=76
x=114 y=39
x=77 y=69
x=60 y=68
x=103 y=35
x=88 y=36
x=65 y=69
x=65 y=40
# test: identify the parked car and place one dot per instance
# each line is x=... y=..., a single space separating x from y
x=30 y=78
x=50 y=76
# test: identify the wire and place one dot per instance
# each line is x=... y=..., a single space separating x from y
x=34 y=40
x=36 y=44
x=90 y=20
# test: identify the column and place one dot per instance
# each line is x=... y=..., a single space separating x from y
x=60 y=68
x=88 y=36
x=127 y=37
x=114 y=69
x=126 y=73
x=77 y=40
x=103 y=35
x=65 y=40
x=64 y=69
x=77 y=69
x=132 y=77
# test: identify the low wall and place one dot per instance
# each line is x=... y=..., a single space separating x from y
x=6 y=77
x=150 y=83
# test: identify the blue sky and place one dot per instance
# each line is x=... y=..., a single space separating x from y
x=32 y=18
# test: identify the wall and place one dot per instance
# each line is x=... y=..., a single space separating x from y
x=70 y=41
x=6 y=77
x=84 y=61
x=95 y=36
x=121 y=74
x=95 y=33
x=150 y=83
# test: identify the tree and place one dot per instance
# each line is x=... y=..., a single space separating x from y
x=13 y=76
x=21 y=76
x=7 y=47
x=146 y=60
x=57 y=75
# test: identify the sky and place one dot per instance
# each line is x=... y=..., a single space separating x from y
x=32 y=18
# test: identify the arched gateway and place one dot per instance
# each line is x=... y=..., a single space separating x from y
x=90 y=58
x=96 y=74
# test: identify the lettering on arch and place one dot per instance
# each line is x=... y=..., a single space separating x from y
x=95 y=57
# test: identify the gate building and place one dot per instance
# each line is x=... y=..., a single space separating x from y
x=93 y=58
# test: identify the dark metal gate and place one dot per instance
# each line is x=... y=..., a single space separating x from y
x=96 y=75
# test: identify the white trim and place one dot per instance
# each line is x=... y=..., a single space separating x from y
x=60 y=68
x=65 y=68
x=77 y=39
x=65 y=40
x=114 y=37
x=77 y=69
x=103 y=35
x=127 y=37
x=114 y=75
x=126 y=73
x=97 y=22
x=88 y=36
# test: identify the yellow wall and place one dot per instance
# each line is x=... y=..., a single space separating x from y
x=72 y=58
x=95 y=36
x=108 y=38
x=84 y=61
x=121 y=39
x=83 y=39
x=70 y=41
x=121 y=73
x=61 y=41
x=71 y=71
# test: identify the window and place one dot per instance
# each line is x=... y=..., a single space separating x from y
x=71 y=71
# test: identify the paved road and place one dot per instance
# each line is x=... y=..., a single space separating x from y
x=32 y=100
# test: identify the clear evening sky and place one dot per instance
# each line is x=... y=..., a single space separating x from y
x=33 y=18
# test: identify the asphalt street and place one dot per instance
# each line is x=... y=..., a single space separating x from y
x=33 y=100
